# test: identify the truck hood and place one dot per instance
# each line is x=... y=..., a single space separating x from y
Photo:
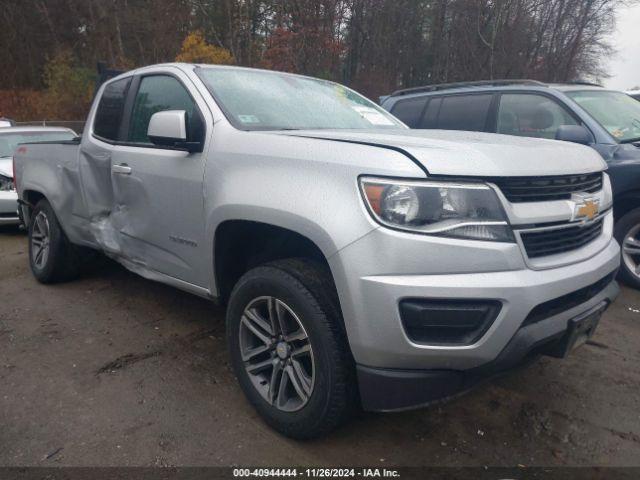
x=447 y=152
x=6 y=166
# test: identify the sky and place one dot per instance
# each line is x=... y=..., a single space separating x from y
x=624 y=67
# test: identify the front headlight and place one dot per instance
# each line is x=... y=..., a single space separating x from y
x=6 y=184
x=448 y=209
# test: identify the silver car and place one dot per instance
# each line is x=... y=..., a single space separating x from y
x=10 y=139
x=362 y=264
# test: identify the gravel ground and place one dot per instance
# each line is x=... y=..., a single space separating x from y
x=113 y=369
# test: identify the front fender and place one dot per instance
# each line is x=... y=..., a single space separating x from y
x=306 y=185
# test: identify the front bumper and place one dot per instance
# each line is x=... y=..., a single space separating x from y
x=388 y=360
x=393 y=390
x=9 y=208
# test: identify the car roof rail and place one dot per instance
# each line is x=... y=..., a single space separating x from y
x=582 y=82
x=479 y=83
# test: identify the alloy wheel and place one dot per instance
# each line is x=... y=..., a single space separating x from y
x=277 y=354
x=40 y=240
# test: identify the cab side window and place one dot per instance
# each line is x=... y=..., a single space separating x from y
x=430 y=117
x=108 y=119
x=158 y=93
x=464 y=112
x=410 y=110
x=530 y=115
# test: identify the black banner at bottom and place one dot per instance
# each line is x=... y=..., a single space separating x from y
x=422 y=473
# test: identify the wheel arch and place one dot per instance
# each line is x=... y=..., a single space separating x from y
x=241 y=244
x=30 y=197
x=624 y=202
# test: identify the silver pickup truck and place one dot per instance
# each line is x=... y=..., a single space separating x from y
x=363 y=264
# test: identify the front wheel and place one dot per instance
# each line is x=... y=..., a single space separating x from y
x=627 y=233
x=288 y=349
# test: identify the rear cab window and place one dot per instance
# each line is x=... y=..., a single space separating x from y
x=108 y=118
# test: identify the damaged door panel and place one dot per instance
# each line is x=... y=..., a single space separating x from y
x=156 y=203
x=94 y=164
x=157 y=191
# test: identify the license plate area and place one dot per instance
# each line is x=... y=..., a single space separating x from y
x=579 y=330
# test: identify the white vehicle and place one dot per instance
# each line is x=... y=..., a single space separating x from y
x=10 y=138
x=634 y=93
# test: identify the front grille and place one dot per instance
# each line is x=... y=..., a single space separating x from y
x=542 y=189
x=566 y=302
x=557 y=240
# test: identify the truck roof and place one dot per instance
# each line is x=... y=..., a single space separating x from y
x=193 y=66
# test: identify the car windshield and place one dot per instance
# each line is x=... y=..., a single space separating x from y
x=263 y=100
x=615 y=111
x=9 y=141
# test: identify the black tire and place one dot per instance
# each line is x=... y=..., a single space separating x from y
x=63 y=260
x=627 y=224
x=308 y=290
x=21 y=218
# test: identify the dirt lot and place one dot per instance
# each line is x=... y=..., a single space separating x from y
x=113 y=369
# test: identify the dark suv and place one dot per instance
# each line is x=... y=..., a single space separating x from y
x=606 y=120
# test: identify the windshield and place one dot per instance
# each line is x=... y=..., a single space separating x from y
x=9 y=141
x=263 y=100
x=615 y=111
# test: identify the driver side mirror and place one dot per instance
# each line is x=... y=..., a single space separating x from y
x=574 y=133
x=169 y=129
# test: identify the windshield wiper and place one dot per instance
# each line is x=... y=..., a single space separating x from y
x=631 y=140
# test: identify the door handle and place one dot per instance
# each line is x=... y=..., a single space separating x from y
x=123 y=169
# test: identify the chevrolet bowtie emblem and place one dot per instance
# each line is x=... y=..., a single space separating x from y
x=588 y=209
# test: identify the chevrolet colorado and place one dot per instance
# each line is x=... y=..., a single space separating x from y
x=362 y=263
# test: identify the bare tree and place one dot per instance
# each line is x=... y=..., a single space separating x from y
x=374 y=45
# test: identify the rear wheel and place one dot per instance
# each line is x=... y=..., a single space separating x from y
x=627 y=233
x=288 y=350
x=51 y=256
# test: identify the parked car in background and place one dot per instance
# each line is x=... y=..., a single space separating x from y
x=359 y=260
x=606 y=120
x=634 y=94
x=6 y=122
x=10 y=138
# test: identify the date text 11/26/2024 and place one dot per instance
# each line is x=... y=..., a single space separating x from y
x=317 y=472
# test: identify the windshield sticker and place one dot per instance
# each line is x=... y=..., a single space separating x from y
x=248 y=119
x=372 y=116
